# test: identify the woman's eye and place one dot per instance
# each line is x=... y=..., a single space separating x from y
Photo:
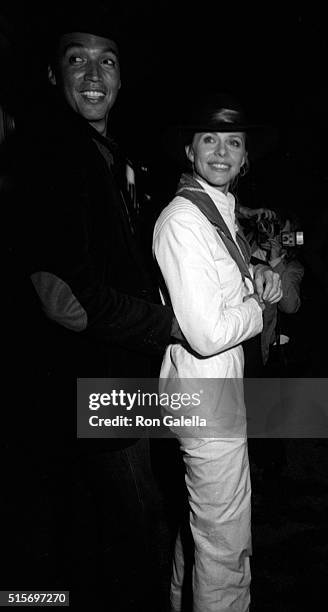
x=235 y=143
x=208 y=139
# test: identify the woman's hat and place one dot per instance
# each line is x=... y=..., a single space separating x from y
x=219 y=113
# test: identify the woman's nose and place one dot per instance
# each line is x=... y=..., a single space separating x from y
x=220 y=148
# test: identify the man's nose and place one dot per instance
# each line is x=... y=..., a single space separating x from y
x=93 y=72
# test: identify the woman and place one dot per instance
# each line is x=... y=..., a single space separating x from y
x=207 y=280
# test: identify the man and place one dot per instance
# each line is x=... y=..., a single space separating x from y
x=92 y=313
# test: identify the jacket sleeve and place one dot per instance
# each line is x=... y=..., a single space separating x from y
x=68 y=279
x=102 y=312
x=181 y=247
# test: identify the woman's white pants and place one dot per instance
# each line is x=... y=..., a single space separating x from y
x=218 y=483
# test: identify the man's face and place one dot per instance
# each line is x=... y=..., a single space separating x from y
x=217 y=157
x=88 y=74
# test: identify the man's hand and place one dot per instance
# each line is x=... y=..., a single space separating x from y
x=268 y=284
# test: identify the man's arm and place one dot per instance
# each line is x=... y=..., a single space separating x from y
x=121 y=319
x=69 y=278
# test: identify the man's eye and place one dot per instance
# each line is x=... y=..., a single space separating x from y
x=109 y=61
x=75 y=60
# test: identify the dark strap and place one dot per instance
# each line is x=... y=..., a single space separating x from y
x=190 y=189
x=255 y=261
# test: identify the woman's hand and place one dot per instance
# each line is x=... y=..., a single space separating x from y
x=268 y=284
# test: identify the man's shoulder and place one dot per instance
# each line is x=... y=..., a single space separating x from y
x=54 y=143
x=52 y=122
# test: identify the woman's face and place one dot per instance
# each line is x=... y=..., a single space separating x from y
x=217 y=157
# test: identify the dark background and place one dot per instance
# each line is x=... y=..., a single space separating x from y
x=275 y=59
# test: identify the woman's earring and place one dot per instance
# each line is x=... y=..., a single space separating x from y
x=245 y=167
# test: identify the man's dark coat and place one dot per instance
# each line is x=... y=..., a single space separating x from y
x=71 y=221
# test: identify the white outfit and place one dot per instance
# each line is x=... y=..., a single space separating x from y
x=205 y=288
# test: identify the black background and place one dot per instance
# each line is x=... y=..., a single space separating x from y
x=275 y=59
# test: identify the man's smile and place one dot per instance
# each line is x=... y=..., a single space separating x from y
x=93 y=95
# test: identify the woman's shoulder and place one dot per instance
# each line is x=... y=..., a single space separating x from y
x=181 y=209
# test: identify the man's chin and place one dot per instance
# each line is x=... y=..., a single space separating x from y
x=88 y=109
x=92 y=114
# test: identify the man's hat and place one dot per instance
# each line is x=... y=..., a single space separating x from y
x=105 y=21
x=219 y=113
